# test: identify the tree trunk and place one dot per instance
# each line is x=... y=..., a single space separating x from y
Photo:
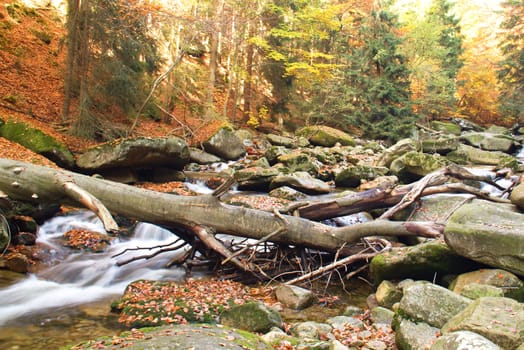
x=32 y=183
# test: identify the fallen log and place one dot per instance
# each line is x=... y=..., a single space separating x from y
x=33 y=183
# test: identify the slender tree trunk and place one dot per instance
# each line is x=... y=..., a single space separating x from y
x=248 y=94
x=213 y=60
x=73 y=8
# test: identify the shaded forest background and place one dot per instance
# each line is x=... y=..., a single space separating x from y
x=103 y=69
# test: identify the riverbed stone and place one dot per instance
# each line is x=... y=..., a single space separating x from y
x=295 y=297
x=490 y=142
x=321 y=135
x=301 y=181
x=464 y=340
x=414 y=165
x=397 y=150
x=252 y=317
x=388 y=293
x=382 y=315
x=255 y=178
x=411 y=335
x=476 y=290
x=286 y=192
x=500 y=320
x=517 y=196
x=431 y=303
x=298 y=161
x=135 y=152
x=489 y=233
x=192 y=336
x=225 y=144
x=511 y=285
x=199 y=156
x=442 y=145
x=422 y=261
x=310 y=330
x=468 y=155
x=352 y=176
x=273 y=152
x=447 y=127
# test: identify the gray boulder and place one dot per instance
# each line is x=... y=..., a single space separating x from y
x=422 y=261
x=505 y=281
x=301 y=181
x=488 y=233
x=252 y=317
x=441 y=145
x=353 y=175
x=397 y=150
x=470 y=155
x=326 y=136
x=298 y=161
x=464 y=340
x=431 y=304
x=295 y=297
x=490 y=142
x=517 y=196
x=417 y=164
x=310 y=330
x=387 y=294
x=414 y=336
x=135 y=152
x=476 y=290
x=447 y=127
x=288 y=142
x=273 y=152
x=255 y=178
x=198 y=156
x=225 y=144
x=500 y=320
x=288 y=193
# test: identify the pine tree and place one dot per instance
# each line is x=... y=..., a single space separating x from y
x=110 y=56
x=375 y=86
x=511 y=73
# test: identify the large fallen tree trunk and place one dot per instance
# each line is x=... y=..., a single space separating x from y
x=32 y=183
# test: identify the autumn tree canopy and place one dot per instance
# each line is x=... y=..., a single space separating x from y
x=350 y=64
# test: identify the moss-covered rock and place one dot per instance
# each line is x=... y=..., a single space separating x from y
x=500 y=320
x=470 y=155
x=136 y=152
x=38 y=142
x=320 y=135
x=505 y=281
x=447 y=127
x=489 y=233
x=422 y=261
x=252 y=316
x=352 y=176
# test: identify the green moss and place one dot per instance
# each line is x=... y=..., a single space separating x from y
x=18 y=10
x=37 y=141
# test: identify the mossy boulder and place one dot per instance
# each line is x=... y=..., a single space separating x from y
x=352 y=176
x=298 y=161
x=38 y=142
x=447 y=127
x=508 y=283
x=255 y=178
x=517 y=196
x=326 y=136
x=413 y=165
x=225 y=144
x=430 y=303
x=500 y=320
x=470 y=155
x=442 y=145
x=252 y=317
x=135 y=153
x=489 y=233
x=490 y=142
x=422 y=261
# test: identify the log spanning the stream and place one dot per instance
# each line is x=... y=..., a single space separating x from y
x=33 y=183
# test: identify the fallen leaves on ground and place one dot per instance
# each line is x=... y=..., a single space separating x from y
x=86 y=240
x=153 y=303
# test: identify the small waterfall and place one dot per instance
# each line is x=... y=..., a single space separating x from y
x=81 y=277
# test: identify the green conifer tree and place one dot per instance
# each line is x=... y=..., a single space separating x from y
x=376 y=81
x=511 y=73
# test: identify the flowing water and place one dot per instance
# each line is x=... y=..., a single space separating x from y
x=70 y=300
